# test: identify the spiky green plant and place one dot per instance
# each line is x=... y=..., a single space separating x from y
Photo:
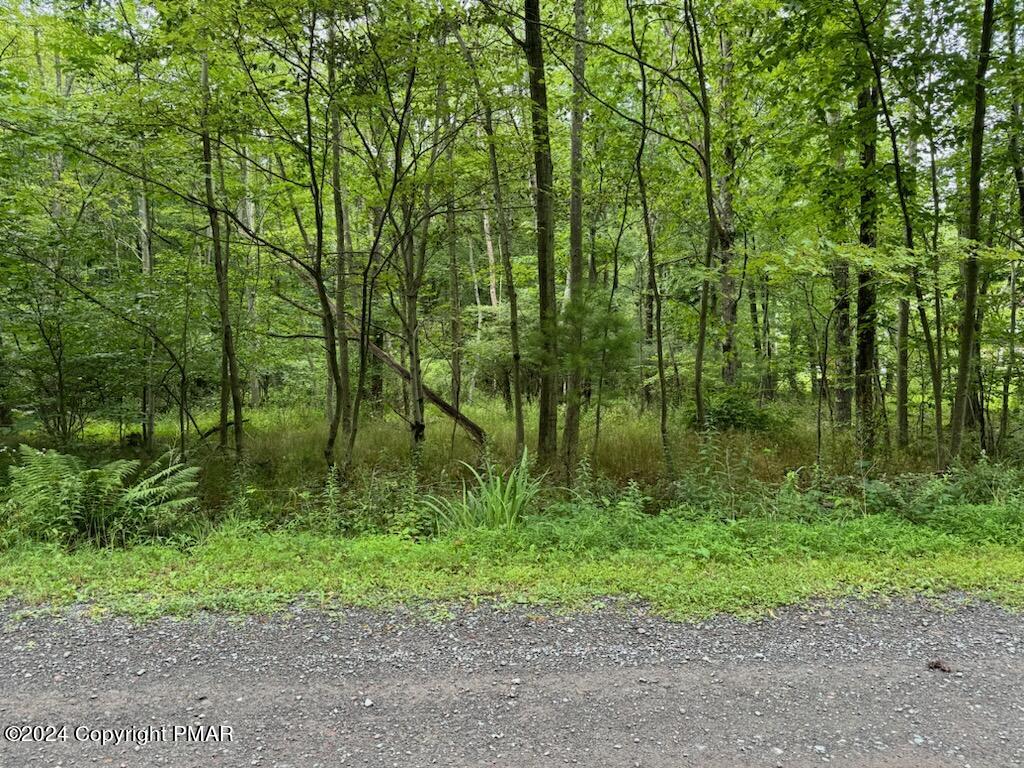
x=494 y=501
x=54 y=497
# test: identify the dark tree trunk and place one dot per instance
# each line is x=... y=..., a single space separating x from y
x=867 y=107
x=575 y=308
x=971 y=267
x=697 y=56
x=547 y=425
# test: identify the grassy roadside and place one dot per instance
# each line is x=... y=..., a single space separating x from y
x=684 y=568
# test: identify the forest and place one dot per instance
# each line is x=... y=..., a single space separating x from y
x=445 y=296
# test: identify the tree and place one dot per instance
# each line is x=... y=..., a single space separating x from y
x=547 y=425
x=971 y=266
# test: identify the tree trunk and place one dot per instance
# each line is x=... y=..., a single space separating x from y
x=727 y=298
x=341 y=227
x=905 y=191
x=652 y=278
x=768 y=379
x=574 y=310
x=843 y=377
x=492 y=274
x=547 y=425
x=1018 y=177
x=902 y=375
x=454 y=282
x=697 y=57
x=146 y=254
x=248 y=214
x=505 y=246
x=843 y=353
x=229 y=362
x=867 y=107
x=1011 y=359
x=971 y=267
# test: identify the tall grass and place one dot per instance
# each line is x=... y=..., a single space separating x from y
x=729 y=473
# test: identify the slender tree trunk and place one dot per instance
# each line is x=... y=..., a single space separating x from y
x=505 y=246
x=905 y=190
x=454 y=281
x=971 y=266
x=902 y=375
x=146 y=254
x=1018 y=177
x=547 y=426
x=755 y=320
x=575 y=307
x=248 y=214
x=867 y=107
x=411 y=281
x=697 y=56
x=1011 y=359
x=492 y=274
x=229 y=363
x=727 y=291
x=609 y=308
x=652 y=278
x=979 y=394
x=768 y=384
x=843 y=353
x=341 y=227
x=455 y=302
x=842 y=413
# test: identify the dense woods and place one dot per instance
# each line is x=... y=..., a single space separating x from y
x=495 y=227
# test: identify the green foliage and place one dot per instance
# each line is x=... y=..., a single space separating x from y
x=54 y=497
x=683 y=566
x=378 y=502
x=737 y=409
x=495 y=502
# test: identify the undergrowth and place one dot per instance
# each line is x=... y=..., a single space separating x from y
x=745 y=524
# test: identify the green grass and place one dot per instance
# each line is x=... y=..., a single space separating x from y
x=683 y=568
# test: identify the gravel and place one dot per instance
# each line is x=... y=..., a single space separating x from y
x=860 y=684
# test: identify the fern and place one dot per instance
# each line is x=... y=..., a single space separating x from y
x=53 y=497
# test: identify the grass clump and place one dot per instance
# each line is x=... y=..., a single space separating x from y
x=494 y=502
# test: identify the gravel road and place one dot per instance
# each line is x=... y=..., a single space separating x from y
x=845 y=684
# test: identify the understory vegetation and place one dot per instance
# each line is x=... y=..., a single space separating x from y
x=711 y=303
x=743 y=529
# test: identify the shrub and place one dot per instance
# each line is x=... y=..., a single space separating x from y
x=736 y=409
x=495 y=502
x=54 y=497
